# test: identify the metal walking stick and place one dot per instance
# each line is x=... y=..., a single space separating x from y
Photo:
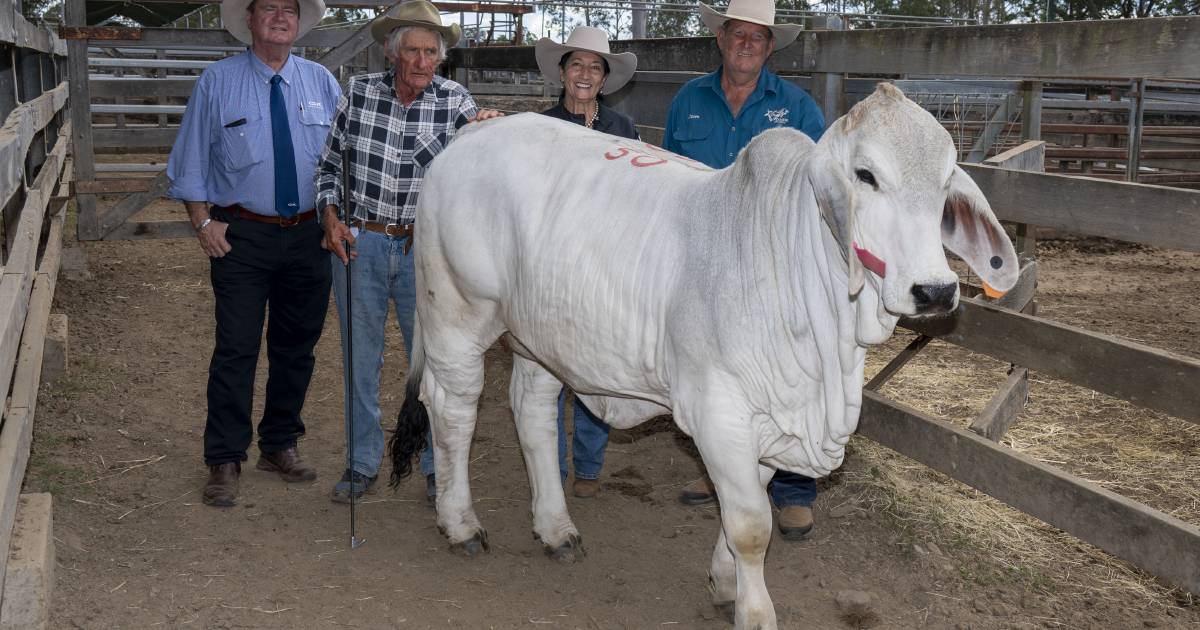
x=349 y=382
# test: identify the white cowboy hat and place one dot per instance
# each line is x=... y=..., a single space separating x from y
x=755 y=12
x=589 y=39
x=233 y=16
x=413 y=13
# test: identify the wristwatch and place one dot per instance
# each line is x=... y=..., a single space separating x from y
x=203 y=224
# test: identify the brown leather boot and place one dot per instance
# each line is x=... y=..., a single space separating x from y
x=288 y=464
x=586 y=488
x=222 y=486
x=795 y=521
x=698 y=492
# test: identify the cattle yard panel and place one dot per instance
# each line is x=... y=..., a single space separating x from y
x=1019 y=75
x=1013 y=68
x=34 y=147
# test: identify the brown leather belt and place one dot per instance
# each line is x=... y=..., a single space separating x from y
x=242 y=213
x=394 y=230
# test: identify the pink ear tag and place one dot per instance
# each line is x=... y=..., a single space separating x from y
x=871 y=261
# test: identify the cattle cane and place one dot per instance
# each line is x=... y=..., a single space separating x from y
x=349 y=355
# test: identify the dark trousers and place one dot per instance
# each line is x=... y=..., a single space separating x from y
x=284 y=272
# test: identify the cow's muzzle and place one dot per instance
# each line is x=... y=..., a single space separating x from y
x=934 y=298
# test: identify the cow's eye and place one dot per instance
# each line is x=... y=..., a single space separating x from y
x=866 y=177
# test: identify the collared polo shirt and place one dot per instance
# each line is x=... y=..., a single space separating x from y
x=224 y=154
x=700 y=125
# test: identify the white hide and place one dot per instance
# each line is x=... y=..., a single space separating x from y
x=651 y=283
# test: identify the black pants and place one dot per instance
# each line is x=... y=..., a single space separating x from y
x=284 y=272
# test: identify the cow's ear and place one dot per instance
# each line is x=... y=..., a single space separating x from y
x=835 y=198
x=970 y=230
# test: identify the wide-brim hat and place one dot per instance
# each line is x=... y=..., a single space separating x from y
x=233 y=16
x=413 y=13
x=548 y=53
x=755 y=12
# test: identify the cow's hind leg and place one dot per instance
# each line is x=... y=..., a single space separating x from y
x=732 y=463
x=534 y=394
x=450 y=388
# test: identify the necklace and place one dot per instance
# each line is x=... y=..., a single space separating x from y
x=590 y=117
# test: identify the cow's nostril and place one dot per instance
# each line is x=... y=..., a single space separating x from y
x=934 y=297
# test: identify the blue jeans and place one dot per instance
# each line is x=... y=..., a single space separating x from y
x=591 y=438
x=788 y=489
x=382 y=272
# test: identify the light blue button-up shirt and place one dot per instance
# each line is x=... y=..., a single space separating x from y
x=223 y=154
x=700 y=125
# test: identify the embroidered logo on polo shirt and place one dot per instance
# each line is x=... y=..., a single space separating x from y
x=693 y=116
x=315 y=105
x=777 y=116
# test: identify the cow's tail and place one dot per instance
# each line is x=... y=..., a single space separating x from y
x=412 y=424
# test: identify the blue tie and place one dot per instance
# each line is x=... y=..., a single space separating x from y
x=287 y=198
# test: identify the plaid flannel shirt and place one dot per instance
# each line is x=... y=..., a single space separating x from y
x=390 y=145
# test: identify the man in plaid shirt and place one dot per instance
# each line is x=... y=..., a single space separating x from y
x=393 y=125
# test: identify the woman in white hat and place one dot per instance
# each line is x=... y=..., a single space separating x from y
x=585 y=69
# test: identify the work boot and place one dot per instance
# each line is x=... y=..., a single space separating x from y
x=288 y=463
x=586 y=488
x=222 y=486
x=698 y=492
x=795 y=521
x=352 y=483
x=430 y=490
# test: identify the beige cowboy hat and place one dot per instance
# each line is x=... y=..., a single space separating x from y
x=589 y=39
x=233 y=16
x=413 y=13
x=755 y=12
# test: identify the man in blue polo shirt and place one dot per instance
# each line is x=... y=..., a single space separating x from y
x=710 y=120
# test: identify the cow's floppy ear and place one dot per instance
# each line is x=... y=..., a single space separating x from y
x=970 y=230
x=835 y=198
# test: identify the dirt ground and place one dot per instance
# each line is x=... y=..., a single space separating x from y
x=118 y=443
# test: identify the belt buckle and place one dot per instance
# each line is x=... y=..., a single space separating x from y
x=399 y=229
x=289 y=221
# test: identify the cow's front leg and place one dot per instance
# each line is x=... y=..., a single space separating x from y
x=737 y=570
x=722 y=576
x=452 y=395
x=534 y=395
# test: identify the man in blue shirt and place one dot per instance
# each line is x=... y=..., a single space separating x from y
x=243 y=166
x=710 y=120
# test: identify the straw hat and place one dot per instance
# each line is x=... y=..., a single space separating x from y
x=589 y=39
x=233 y=16
x=413 y=13
x=755 y=12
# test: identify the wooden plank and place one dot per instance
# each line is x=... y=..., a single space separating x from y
x=1018 y=297
x=26 y=35
x=83 y=149
x=8 y=30
x=666 y=54
x=1145 y=376
x=180 y=228
x=133 y=204
x=1138 y=213
x=1001 y=411
x=15 y=439
x=100 y=33
x=17 y=135
x=213 y=38
x=1121 y=154
x=900 y=360
x=25 y=238
x=111 y=186
x=135 y=137
x=111 y=87
x=1027 y=156
x=1154 y=47
x=1158 y=543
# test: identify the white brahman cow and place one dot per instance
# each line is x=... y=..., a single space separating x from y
x=740 y=300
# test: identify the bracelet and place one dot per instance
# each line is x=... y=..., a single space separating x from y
x=203 y=224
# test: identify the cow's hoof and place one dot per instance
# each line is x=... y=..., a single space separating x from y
x=569 y=552
x=472 y=546
x=728 y=610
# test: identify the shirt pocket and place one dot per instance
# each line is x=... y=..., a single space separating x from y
x=246 y=144
x=314 y=125
x=692 y=131
x=427 y=147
